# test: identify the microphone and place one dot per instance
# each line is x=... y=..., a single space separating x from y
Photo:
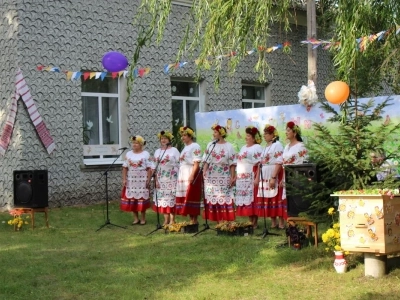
x=124 y=148
x=169 y=144
x=215 y=141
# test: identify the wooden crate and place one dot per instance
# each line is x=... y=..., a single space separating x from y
x=370 y=223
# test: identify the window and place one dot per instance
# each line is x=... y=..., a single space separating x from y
x=253 y=96
x=186 y=101
x=101 y=109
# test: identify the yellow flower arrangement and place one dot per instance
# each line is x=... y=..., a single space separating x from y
x=17 y=221
x=138 y=139
x=166 y=134
x=220 y=129
x=187 y=131
x=331 y=237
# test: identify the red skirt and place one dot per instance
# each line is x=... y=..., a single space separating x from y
x=164 y=210
x=218 y=212
x=133 y=204
x=275 y=206
x=251 y=209
x=190 y=204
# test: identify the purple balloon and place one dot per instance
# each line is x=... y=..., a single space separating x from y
x=114 y=61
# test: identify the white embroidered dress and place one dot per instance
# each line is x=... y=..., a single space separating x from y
x=217 y=181
x=137 y=164
x=294 y=155
x=167 y=175
x=247 y=158
x=271 y=155
x=189 y=155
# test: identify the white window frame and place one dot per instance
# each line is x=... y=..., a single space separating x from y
x=200 y=98
x=123 y=138
x=266 y=100
x=187 y=3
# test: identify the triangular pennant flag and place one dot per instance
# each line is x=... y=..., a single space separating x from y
x=92 y=74
x=166 y=69
x=48 y=68
x=69 y=75
x=86 y=75
x=40 y=67
x=114 y=75
x=55 y=69
x=146 y=71
x=103 y=75
x=141 y=72
x=125 y=74
x=98 y=74
x=74 y=75
x=120 y=73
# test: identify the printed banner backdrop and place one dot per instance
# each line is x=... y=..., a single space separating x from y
x=235 y=121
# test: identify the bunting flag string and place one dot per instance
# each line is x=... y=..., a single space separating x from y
x=76 y=75
x=362 y=42
x=284 y=46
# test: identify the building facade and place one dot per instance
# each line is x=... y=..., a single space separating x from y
x=80 y=114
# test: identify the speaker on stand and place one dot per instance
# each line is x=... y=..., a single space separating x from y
x=296 y=176
x=31 y=189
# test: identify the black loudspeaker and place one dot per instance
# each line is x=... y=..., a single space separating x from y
x=296 y=176
x=31 y=189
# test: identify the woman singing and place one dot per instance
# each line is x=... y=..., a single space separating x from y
x=270 y=187
x=136 y=175
x=294 y=153
x=247 y=165
x=166 y=160
x=188 y=193
x=219 y=177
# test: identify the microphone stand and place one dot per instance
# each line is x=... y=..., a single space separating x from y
x=158 y=226
x=107 y=222
x=206 y=226
x=265 y=231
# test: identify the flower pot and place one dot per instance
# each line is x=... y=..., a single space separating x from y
x=340 y=262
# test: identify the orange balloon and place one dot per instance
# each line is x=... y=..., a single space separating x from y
x=337 y=92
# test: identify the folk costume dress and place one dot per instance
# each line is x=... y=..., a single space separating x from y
x=294 y=155
x=135 y=195
x=247 y=165
x=218 y=193
x=167 y=176
x=188 y=195
x=270 y=202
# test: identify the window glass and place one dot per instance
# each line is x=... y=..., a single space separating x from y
x=107 y=85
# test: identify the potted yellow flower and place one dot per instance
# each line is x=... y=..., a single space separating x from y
x=17 y=221
x=331 y=238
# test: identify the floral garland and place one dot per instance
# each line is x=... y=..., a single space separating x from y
x=137 y=138
x=271 y=130
x=166 y=134
x=220 y=129
x=187 y=131
x=254 y=132
x=294 y=127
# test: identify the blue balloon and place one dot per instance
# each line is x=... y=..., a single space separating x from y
x=114 y=61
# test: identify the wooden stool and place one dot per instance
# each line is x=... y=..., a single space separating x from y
x=32 y=212
x=305 y=222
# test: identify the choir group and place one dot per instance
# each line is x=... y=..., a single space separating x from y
x=249 y=183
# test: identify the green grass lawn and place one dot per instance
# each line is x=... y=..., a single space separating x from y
x=70 y=260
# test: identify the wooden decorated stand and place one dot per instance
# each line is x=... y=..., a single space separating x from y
x=370 y=224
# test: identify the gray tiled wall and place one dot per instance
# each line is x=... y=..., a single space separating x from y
x=74 y=35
